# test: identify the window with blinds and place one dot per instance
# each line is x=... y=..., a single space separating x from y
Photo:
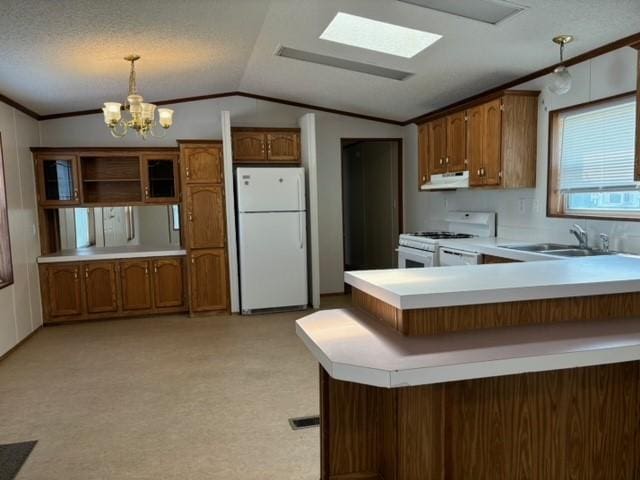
x=594 y=164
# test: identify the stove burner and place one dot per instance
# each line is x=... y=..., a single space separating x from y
x=441 y=235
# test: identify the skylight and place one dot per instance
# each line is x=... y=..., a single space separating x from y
x=377 y=36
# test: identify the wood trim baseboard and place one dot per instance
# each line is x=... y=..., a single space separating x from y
x=19 y=344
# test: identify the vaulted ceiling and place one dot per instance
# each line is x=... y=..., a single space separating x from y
x=67 y=55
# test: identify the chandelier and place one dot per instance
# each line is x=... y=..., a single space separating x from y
x=141 y=115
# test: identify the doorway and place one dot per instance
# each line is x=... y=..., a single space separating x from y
x=371 y=202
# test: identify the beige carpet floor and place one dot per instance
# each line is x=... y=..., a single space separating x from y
x=164 y=398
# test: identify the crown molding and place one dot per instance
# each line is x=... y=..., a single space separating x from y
x=629 y=41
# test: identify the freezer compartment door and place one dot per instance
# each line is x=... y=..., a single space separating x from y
x=270 y=189
x=273 y=260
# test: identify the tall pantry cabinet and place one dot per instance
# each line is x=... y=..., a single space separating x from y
x=204 y=225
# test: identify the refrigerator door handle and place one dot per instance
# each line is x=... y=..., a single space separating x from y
x=300 y=201
x=300 y=230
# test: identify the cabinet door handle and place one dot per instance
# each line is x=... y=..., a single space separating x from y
x=146 y=271
x=146 y=192
x=155 y=269
x=86 y=273
x=75 y=194
x=424 y=178
x=441 y=160
x=446 y=160
x=75 y=274
x=187 y=172
x=484 y=172
x=193 y=260
x=479 y=172
x=190 y=215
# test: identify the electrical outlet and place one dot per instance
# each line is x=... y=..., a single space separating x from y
x=536 y=206
x=522 y=205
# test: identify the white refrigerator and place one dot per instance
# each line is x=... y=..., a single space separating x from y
x=272 y=238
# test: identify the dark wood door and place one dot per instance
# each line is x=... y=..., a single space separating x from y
x=209 y=284
x=168 y=290
x=492 y=145
x=249 y=147
x=160 y=177
x=64 y=290
x=456 y=142
x=202 y=163
x=423 y=154
x=475 y=141
x=135 y=282
x=100 y=286
x=283 y=147
x=438 y=145
x=205 y=216
x=57 y=179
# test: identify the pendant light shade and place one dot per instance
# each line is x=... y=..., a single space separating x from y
x=561 y=78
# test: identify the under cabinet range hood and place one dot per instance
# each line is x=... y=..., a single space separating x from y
x=447 y=181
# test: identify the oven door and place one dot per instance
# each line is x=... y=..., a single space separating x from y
x=414 y=258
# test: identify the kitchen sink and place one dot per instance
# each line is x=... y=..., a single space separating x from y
x=558 y=250
x=539 y=247
x=579 y=252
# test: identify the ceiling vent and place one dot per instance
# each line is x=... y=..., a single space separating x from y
x=342 y=63
x=487 y=11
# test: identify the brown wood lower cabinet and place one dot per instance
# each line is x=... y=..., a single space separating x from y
x=494 y=259
x=61 y=290
x=109 y=289
x=208 y=280
x=168 y=287
x=100 y=287
x=135 y=285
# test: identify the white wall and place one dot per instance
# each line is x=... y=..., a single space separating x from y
x=201 y=119
x=522 y=212
x=20 y=310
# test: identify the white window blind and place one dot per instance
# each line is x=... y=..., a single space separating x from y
x=597 y=148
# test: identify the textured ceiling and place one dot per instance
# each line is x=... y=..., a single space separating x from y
x=67 y=55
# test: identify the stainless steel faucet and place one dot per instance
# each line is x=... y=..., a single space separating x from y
x=581 y=235
x=604 y=242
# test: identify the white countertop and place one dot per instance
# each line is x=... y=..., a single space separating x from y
x=509 y=282
x=111 y=253
x=352 y=346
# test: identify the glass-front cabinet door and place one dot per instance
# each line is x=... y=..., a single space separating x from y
x=58 y=179
x=160 y=174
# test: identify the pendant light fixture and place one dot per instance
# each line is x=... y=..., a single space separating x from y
x=141 y=115
x=561 y=78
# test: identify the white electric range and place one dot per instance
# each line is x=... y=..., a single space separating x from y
x=422 y=249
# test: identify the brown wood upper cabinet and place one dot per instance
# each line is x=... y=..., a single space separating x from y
x=455 y=159
x=105 y=177
x=502 y=141
x=160 y=177
x=57 y=179
x=249 y=147
x=437 y=141
x=202 y=163
x=495 y=140
x=423 y=154
x=255 y=145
